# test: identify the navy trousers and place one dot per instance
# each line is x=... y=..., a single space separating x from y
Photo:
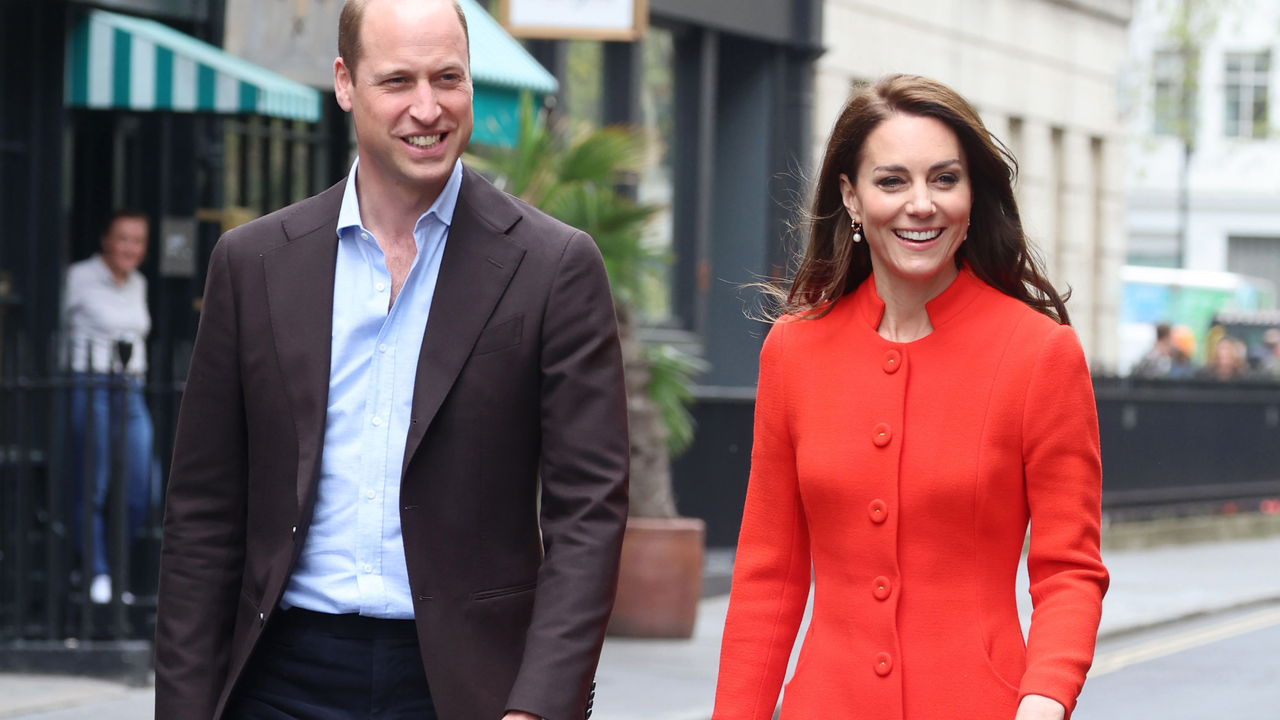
x=313 y=666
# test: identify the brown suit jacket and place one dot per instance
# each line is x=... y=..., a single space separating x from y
x=514 y=494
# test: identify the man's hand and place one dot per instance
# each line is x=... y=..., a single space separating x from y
x=1039 y=707
x=517 y=715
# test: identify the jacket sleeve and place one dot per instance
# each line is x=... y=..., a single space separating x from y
x=584 y=472
x=771 y=571
x=202 y=556
x=1063 y=470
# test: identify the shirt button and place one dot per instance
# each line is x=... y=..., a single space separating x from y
x=368 y=568
x=881 y=588
x=377 y=420
x=380 y=287
x=892 y=361
x=364 y=235
x=371 y=494
x=878 y=511
x=881 y=435
x=382 y=347
x=884 y=664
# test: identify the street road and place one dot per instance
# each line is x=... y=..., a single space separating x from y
x=1226 y=665
x=1223 y=666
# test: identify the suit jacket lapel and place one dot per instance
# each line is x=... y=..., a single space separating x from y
x=299 y=280
x=478 y=264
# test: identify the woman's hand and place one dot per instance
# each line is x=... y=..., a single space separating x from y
x=1039 y=707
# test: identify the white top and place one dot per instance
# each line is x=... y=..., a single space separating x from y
x=97 y=313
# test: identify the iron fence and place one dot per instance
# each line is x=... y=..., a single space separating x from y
x=64 y=461
x=1169 y=447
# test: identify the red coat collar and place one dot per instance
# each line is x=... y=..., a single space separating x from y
x=943 y=309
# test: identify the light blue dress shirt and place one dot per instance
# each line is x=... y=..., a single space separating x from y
x=353 y=558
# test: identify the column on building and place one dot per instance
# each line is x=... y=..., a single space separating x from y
x=1078 y=228
x=1111 y=253
x=1036 y=191
x=832 y=89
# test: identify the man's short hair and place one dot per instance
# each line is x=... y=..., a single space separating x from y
x=1163 y=331
x=351 y=20
x=129 y=213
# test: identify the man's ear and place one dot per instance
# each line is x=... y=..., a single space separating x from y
x=342 y=83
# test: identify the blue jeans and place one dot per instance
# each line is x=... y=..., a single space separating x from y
x=121 y=423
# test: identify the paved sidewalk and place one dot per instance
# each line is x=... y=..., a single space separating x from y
x=675 y=680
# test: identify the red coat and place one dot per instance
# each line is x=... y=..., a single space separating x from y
x=905 y=475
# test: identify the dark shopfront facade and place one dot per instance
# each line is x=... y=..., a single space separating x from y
x=66 y=162
x=723 y=90
x=732 y=109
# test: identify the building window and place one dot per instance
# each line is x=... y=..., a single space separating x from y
x=269 y=163
x=1246 y=94
x=657 y=123
x=584 y=78
x=1173 y=112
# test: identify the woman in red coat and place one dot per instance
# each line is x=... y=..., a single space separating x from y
x=923 y=399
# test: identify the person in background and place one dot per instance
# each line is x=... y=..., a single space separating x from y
x=105 y=323
x=1165 y=359
x=1271 y=361
x=1227 y=361
x=1184 y=339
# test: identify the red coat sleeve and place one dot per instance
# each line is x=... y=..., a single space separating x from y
x=1063 y=471
x=772 y=568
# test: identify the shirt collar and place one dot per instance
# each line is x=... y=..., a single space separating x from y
x=104 y=273
x=442 y=208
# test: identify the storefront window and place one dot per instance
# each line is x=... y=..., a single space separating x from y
x=584 y=68
x=269 y=163
x=657 y=122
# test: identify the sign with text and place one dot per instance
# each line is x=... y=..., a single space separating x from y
x=624 y=20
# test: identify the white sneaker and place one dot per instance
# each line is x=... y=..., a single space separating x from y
x=100 y=590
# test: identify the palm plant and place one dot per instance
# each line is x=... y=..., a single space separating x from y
x=573 y=175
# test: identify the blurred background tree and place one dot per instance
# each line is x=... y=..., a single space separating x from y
x=574 y=174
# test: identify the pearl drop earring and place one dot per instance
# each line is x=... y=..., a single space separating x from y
x=857 y=231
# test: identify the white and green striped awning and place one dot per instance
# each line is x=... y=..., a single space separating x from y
x=121 y=62
x=501 y=69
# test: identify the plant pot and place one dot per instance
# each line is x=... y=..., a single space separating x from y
x=660 y=579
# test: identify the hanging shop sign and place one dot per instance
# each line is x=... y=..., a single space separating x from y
x=624 y=20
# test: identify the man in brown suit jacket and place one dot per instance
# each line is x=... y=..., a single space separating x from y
x=357 y=528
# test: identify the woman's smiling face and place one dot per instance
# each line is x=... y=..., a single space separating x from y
x=912 y=195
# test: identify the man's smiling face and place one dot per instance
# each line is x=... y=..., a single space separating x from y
x=410 y=92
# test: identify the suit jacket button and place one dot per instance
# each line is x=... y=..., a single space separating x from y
x=878 y=511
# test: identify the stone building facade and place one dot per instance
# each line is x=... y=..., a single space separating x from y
x=1044 y=75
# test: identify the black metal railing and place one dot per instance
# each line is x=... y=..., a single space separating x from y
x=57 y=470
x=1168 y=447
x=1191 y=444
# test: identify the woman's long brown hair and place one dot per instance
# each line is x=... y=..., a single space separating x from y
x=832 y=265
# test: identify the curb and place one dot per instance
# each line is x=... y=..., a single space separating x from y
x=1207 y=612
x=1146 y=534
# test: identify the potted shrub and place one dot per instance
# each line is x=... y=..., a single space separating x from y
x=574 y=177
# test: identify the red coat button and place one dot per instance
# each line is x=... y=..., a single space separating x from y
x=884 y=664
x=878 y=511
x=881 y=588
x=892 y=361
x=881 y=435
